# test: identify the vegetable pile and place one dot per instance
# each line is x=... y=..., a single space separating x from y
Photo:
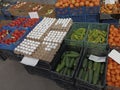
x=76 y=3
x=78 y=34
x=114 y=36
x=91 y=71
x=110 y=8
x=97 y=36
x=68 y=63
x=113 y=73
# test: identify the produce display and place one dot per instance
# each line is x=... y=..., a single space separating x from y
x=55 y=36
x=76 y=3
x=78 y=34
x=41 y=28
x=63 y=23
x=113 y=73
x=30 y=22
x=17 y=22
x=97 y=36
x=3 y=34
x=19 y=5
x=91 y=72
x=114 y=36
x=68 y=63
x=110 y=8
x=14 y=36
x=27 y=47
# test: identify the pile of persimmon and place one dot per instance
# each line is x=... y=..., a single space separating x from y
x=113 y=73
x=114 y=36
x=76 y=3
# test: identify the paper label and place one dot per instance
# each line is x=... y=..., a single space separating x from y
x=110 y=1
x=115 y=55
x=97 y=59
x=29 y=61
x=33 y=15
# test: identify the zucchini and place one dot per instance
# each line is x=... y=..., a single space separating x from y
x=95 y=66
x=96 y=74
x=71 y=64
x=84 y=63
x=90 y=64
x=83 y=75
x=68 y=72
x=86 y=76
x=60 y=66
x=65 y=71
x=90 y=76
x=80 y=73
x=102 y=68
x=67 y=62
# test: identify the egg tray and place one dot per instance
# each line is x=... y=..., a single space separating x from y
x=46 y=34
x=43 y=55
x=59 y=26
x=43 y=36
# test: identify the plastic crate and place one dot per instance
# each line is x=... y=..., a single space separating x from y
x=92 y=18
x=13 y=45
x=92 y=10
x=38 y=71
x=114 y=47
x=78 y=18
x=62 y=11
x=97 y=46
x=80 y=83
x=64 y=84
x=110 y=21
x=58 y=76
x=74 y=27
x=77 y=11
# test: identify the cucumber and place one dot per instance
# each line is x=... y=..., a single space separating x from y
x=80 y=73
x=90 y=76
x=95 y=66
x=65 y=71
x=72 y=54
x=83 y=75
x=96 y=74
x=84 y=63
x=86 y=76
x=60 y=66
x=67 y=62
x=102 y=68
x=71 y=64
x=68 y=72
x=90 y=65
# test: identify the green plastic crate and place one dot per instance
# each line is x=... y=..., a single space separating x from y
x=74 y=27
x=97 y=46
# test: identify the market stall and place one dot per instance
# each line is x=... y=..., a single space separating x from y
x=66 y=43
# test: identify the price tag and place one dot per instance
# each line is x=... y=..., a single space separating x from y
x=115 y=55
x=29 y=61
x=33 y=15
x=97 y=59
x=110 y=1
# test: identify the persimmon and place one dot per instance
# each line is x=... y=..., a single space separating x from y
x=57 y=4
x=77 y=4
x=87 y=3
x=82 y=4
x=71 y=6
x=91 y=4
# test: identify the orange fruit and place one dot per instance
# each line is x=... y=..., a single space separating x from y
x=77 y=4
x=81 y=3
x=86 y=3
x=96 y=3
x=91 y=4
x=57 y=4
x=71 y=6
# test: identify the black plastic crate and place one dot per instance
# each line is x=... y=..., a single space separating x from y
x=92 y=10
x=59 y=76
x=38 y=71
x=92 y=18
x=64 y=84
x=110 y=21
x=80 y=83
x=78 y=18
